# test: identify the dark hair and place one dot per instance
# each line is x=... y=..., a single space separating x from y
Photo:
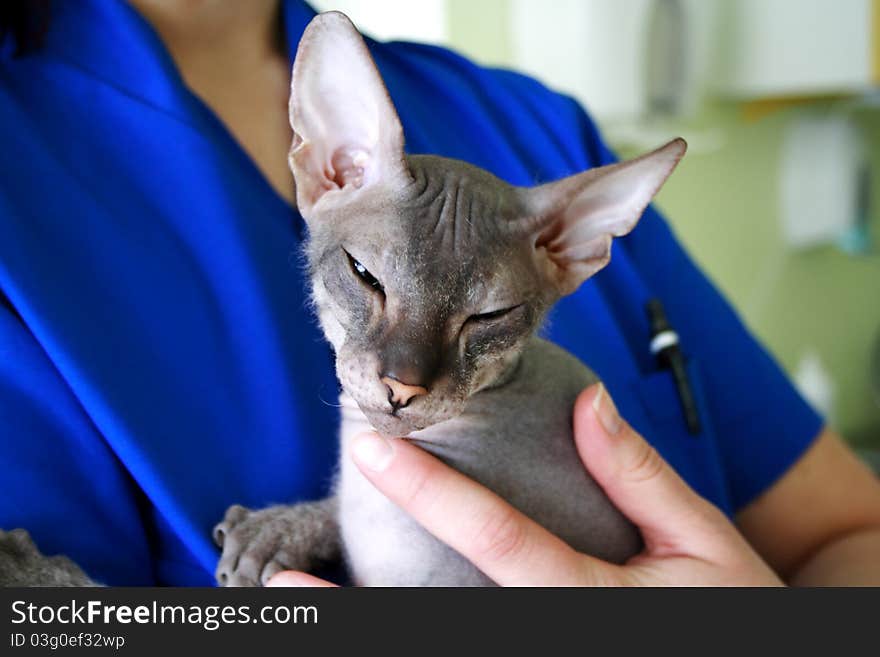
x=25 y=22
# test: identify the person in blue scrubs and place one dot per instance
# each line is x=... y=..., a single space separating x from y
x=158 y=358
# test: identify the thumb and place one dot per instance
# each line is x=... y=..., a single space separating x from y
x=638 y=481
x=297 y=578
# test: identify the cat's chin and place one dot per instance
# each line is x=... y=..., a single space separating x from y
x=391 y=426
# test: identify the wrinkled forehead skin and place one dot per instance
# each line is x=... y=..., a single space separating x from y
x=447 y=226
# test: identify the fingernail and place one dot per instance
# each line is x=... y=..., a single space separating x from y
x=372 y=451
x=285 y=579
x=607 y=411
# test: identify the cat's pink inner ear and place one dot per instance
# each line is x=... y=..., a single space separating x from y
x=576 y=218
x=346 y=131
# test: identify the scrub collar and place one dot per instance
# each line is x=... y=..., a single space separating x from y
x=112 y=42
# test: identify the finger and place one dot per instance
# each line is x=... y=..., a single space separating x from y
x=637 y=479
x=296 y=578
x=499 y=540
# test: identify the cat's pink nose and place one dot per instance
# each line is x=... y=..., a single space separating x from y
x=400 y=394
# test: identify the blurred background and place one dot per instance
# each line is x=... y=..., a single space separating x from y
x=780 y=103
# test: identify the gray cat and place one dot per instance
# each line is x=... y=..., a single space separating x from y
x=430 y=278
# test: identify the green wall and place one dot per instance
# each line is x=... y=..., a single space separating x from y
x=479 y=29
x=723 y=204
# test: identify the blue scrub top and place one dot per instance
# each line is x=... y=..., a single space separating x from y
x=158 y=360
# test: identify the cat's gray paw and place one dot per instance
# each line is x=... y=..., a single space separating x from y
x=258 y=544
x=22 y=564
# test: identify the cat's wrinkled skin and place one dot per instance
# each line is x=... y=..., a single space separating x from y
x=430 y=278
x=22 y=564
x=439 y=241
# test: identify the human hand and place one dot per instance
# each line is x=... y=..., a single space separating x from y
x=688 y=541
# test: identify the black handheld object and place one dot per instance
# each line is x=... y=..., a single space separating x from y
x=665 y=348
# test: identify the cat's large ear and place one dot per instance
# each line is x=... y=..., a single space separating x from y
x=346 y=132
x=574 y=219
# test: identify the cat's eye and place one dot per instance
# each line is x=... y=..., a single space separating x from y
x=495 y=314
x=362 y=273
